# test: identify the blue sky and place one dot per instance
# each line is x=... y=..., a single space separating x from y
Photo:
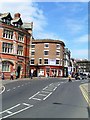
x=66 y=21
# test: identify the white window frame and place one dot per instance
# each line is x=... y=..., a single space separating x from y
x=8 y=50
x=20 y=52
x=46 y=44
x=30 y=61
x=31 y=46
x=57 y=45
x=58 y=52
x=46 y=51
x=44 y=61
x=39 y=60
x=32 y=51
x=59 y=61
x=5 y=67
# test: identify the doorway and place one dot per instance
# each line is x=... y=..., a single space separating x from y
x=18 y=71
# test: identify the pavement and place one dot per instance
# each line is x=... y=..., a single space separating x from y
x=85 y=88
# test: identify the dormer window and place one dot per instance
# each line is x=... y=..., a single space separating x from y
x=6 y=18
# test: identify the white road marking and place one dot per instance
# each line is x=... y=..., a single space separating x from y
x=9 y=112
x=18 y=111
x=45 y=91
x=48 y=89
x=10 y=108
x=22 y=85
x=14 y=87
x=54 y=88
x=58 y=84
x=62 y=82
x=2 y=90
x=36 y=99
x=45 y=88
x=26 y=104
x=50 y=84
x=34 y=95
x=47 y=96
x=19 y=86
x=8 y=90
x=42 y=94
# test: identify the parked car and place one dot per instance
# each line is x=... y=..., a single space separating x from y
x=77 y=76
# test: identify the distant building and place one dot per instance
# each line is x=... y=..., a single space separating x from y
x=47 y=57
x=67 y=66
x=83 y=65
x=15 y=37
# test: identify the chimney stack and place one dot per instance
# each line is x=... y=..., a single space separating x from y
x=17 y=15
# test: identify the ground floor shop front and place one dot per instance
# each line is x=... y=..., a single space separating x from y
x=16 y=66
x=47 y=71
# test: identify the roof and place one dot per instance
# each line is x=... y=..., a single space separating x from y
x=28 y=25
x=5 y=15
x=16 y=20
x=48 y=41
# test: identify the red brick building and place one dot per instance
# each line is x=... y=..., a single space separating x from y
x=47 y=57
x=15 y=37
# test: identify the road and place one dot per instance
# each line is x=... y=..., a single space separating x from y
x=44 y=98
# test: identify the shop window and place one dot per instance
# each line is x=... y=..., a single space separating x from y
x=5 y=67
x=7 y=47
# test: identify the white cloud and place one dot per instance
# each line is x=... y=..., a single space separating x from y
x=29 y=12
x=43 y=35
x=75 y=26
x=82 y=39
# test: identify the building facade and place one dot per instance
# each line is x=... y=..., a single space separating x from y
x=83 y=66
x=15 y=37
x=47 y=57
x=67 y=55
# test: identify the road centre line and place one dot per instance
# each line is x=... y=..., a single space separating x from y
x=34 y=95
x=47 y=96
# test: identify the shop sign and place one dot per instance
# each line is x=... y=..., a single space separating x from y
x=52 y=61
